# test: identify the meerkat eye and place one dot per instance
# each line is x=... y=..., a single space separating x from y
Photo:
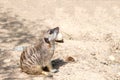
x=50 y=31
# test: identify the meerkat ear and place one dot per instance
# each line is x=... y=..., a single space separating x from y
x=46 y=40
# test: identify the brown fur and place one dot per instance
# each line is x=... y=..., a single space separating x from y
x=34 y=59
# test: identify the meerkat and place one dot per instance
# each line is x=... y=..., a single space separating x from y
x=34 y=59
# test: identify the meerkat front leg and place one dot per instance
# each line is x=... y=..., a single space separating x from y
x=48 y=74
x=50 y=68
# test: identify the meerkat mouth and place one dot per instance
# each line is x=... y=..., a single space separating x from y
x=60 y=41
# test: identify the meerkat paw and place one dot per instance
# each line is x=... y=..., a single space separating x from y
x=54 y=71
x=49 y=75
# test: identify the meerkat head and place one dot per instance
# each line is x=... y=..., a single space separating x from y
x=53 y=35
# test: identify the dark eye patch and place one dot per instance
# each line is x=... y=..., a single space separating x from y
x=51 y=31
x=46 y=40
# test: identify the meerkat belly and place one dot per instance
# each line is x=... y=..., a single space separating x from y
x=32 y=57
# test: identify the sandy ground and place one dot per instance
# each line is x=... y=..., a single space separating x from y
x=90 y=29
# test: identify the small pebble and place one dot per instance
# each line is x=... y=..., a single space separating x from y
x=70 y=59
x=19 y=48
x=93 y=54
x=59 y=37
x=7 y=60
x=118 y=73
x=111 y=57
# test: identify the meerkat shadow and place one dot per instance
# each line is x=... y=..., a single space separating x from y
x=57 y=63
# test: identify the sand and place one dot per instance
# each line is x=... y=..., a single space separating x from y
x=90 y=30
